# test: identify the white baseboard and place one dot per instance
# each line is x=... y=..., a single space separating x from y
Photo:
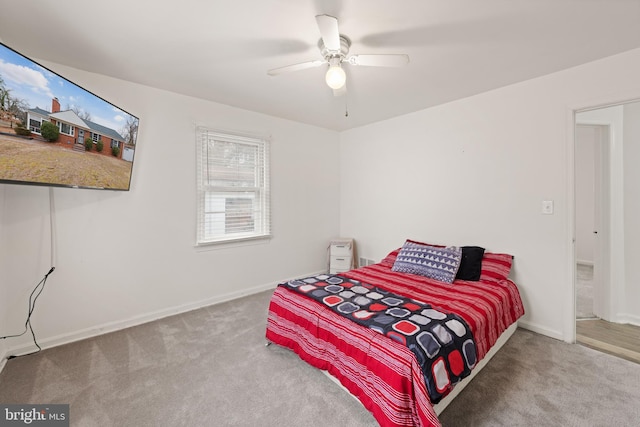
x=138 y=320
x=628 y=318
x=621 y=318
x=541 y=330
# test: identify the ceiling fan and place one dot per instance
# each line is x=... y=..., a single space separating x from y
x=334 y=48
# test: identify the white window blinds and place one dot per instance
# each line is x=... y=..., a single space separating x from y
x=233 y=187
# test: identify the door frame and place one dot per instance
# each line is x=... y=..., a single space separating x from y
x=615 y=221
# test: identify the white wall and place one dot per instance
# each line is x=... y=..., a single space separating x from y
x=126 y=257
x=631 y=302
x=472 y=171
x=475 y=171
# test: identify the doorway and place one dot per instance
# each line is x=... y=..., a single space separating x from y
x=605 y=141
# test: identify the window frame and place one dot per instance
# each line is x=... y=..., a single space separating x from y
x=32 y=124
x=62 y=125
x=259 y=192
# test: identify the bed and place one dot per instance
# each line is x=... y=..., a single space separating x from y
x=400 y=338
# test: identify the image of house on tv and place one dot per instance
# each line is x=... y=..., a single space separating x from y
x=75 y=130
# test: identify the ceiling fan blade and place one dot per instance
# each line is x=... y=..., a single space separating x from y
x=295 y=67
x=382 y=60
x=328 y=26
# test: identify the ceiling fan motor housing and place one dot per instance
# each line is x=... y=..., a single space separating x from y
x=327 y=54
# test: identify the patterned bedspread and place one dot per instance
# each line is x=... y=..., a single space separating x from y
x=382 y=373
x=442 y=342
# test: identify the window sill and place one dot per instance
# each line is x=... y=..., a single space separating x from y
x=225 y=244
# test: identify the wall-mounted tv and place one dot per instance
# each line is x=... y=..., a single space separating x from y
x=56 y=133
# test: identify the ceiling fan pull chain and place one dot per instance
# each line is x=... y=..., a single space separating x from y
x=346 y=106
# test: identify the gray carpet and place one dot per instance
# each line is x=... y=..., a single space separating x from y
x=210 y=367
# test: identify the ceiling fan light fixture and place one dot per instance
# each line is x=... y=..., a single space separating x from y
x=334 y=49
x=335 y=77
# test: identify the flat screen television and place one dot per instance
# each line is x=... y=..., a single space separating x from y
x=56 y=133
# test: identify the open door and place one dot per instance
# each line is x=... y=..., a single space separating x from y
x=592 y=207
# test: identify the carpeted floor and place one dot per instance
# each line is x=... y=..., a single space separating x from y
x=210 y=367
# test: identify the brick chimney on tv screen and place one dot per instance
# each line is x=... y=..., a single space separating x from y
x=55 y=105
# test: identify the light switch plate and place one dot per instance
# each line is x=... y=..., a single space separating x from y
x=547 y=207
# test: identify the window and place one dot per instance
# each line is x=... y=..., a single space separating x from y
x=95 y=137
x=65 y=128
x=115 y=143
x=34 y=125
x=233 y=187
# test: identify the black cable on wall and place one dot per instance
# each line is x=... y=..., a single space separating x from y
x=35 y=293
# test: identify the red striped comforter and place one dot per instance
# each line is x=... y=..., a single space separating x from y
x=383 y=374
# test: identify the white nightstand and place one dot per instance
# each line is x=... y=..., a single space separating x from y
x=341 y=255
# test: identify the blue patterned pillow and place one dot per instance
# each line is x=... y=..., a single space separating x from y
x=436 y=263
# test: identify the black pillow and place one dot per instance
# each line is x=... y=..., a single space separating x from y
x=471 y=263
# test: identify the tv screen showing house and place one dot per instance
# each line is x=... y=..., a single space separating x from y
x=56 y=133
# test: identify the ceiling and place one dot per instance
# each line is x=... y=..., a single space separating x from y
x=221 y=50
